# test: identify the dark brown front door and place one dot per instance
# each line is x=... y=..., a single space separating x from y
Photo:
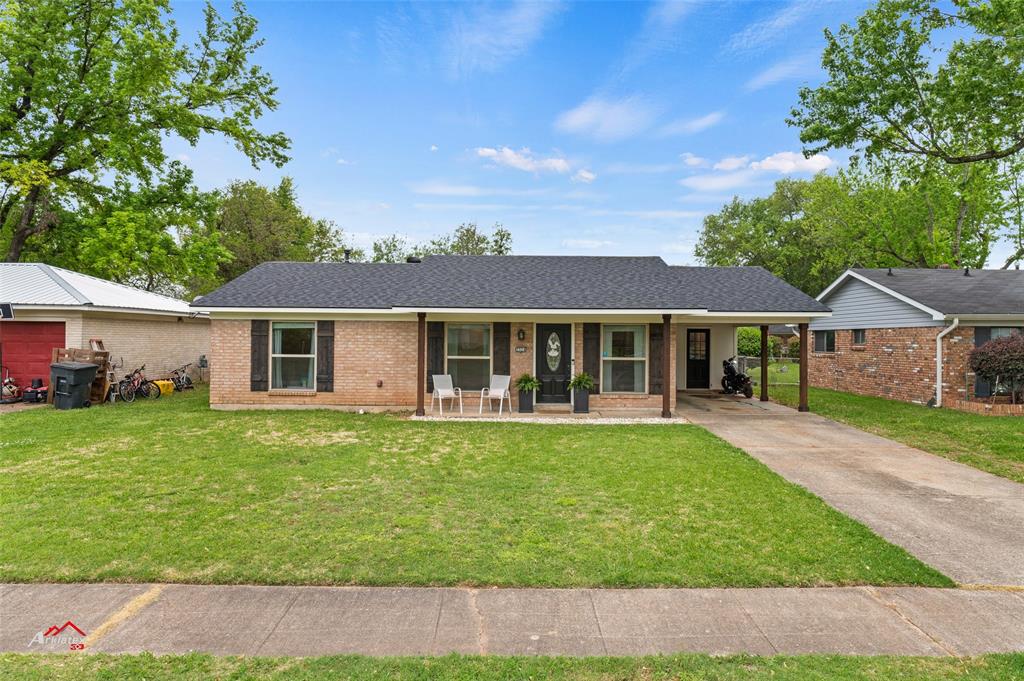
x=554 y=348
x=698 y=358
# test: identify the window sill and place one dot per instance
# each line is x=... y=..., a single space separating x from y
x=292 y=392
x=621 y=394
x=858 y=348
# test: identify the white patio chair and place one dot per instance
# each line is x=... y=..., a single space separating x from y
x=498 y=390
x=443 y=390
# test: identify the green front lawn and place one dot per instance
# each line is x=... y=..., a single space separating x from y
x=991 y=443
x=171 y=491
x=456 y=668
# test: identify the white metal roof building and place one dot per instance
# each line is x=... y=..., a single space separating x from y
x=54 y=307
x=35 y=285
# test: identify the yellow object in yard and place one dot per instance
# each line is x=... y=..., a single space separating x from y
x=166 y=387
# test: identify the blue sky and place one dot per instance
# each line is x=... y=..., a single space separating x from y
x=585 y=128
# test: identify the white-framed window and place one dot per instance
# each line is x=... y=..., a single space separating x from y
x=1003 y=332
x=468 y=355
x=860 y=336
x=624 y=358
x=824 y=341
x=293 y=356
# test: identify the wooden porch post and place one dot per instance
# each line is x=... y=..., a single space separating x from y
x=421 y=352
x=666 y=372
x=764 y=362
x=803 y=368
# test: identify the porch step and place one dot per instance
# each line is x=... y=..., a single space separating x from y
x=556 y=408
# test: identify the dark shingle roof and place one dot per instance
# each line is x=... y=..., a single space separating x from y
x=952 y=293
x=520 y=281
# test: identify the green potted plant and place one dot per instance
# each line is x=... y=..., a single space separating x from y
x=526 y=385
x=581 y=385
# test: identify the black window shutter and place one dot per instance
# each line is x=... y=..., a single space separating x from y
x=656 y=363
x=325 y=356
x=259 y=335
x=982 y=335
x=502 y=339
x=435 y=352
x=592 y=353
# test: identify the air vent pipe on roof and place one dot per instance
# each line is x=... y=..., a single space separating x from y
x=412 y=259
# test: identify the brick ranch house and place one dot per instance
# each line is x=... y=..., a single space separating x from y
x=905 y=334
x=350 y=335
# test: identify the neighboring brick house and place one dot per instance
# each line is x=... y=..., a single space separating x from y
x=906 y=334
x=365 y=335
x=58 y=308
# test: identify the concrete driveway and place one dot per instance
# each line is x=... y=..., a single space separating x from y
x=966 y=523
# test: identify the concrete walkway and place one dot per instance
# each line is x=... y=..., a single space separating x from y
x=966 y=523
x=306 y=621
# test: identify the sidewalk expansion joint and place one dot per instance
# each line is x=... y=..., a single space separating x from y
x=870 y=590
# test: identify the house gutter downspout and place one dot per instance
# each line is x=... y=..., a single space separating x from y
x=938 y=359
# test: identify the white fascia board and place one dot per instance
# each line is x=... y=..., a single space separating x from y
x=771 y=315
x=548 y=311
x=935 y=314
x=119 y=310
x=967 y=319
x=293 y=310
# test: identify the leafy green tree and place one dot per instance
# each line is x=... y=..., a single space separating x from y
x=154 y=236
x=870 y=215
x=259 y=224
x=89 y=89
x=748 y=342
x=466 y=239
x=392 y=248
x=914 y=79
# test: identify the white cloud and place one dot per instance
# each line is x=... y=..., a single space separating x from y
x=184 y=158
x=732 y=163
x=484 y=38
x=716 y=182
x=761 y=34
x=433 y=147
x=524 y=159
x=607 y=120
x=585 y=176
x=589 y=244
x=787 y=162
x=692 y=160
x=689 y=126
x=795 y=67
x=442 y=188
x=344 y=162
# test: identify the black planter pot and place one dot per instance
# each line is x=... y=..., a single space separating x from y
x=581 y=401
x=525 y=402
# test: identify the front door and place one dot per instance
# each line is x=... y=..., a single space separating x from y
x=698 y=359
x=554 y=348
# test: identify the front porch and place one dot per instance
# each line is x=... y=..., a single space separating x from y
x=641 y=365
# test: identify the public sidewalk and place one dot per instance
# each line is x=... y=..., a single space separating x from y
x=307 y=621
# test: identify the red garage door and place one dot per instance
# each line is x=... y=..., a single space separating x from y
x=26 y=349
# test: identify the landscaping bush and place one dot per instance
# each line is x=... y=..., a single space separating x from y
x=748 y=342
x=1001 y=361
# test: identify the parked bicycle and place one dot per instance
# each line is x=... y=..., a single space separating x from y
x=136 y=383
x=181 y=379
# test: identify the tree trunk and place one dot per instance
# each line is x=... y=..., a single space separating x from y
x=27 y=223
x=24 y=228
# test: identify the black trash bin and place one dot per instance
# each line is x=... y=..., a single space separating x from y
x=71 y=383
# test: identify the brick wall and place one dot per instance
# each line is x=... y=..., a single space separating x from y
x=896 y=363
x=161 y=343
x=365 y=352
